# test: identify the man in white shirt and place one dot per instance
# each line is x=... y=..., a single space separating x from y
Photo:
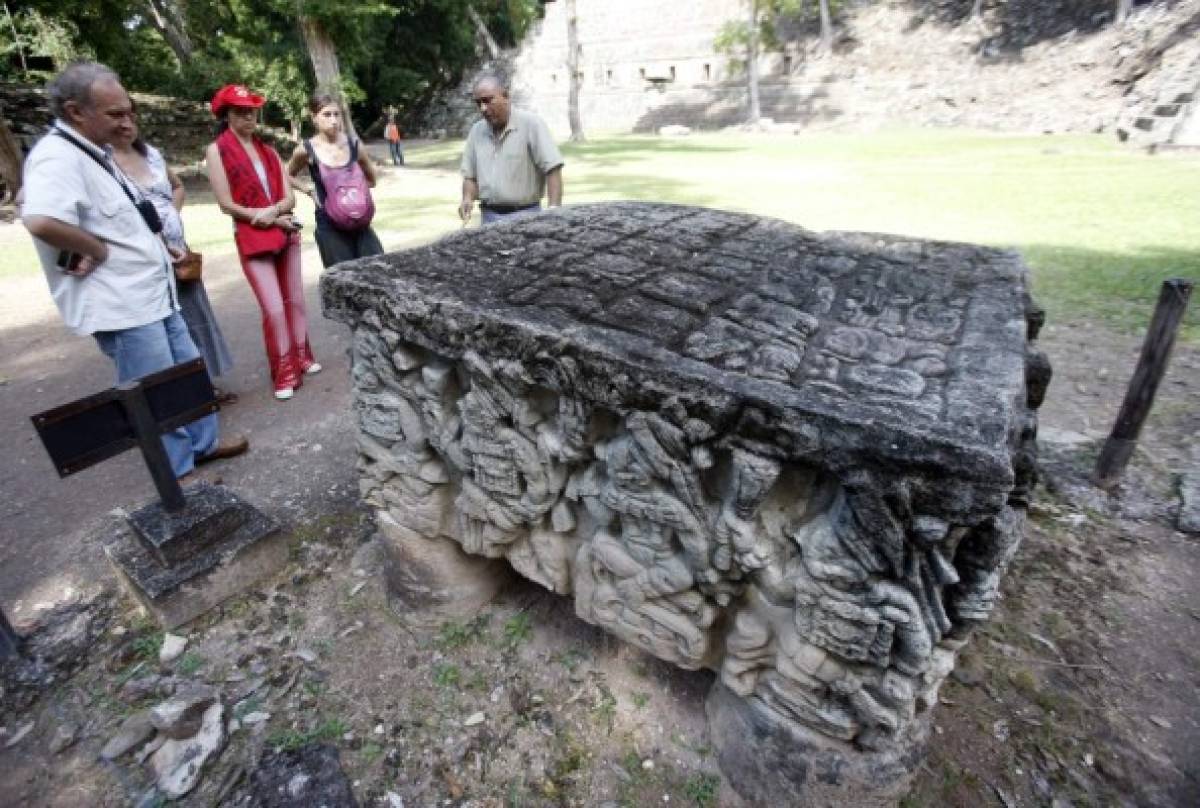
x=108 y=270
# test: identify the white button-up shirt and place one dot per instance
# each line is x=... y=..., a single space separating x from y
x=136 y=284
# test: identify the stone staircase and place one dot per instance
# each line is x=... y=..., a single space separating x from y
x=1172 y=119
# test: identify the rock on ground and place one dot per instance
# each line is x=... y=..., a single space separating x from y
x=178 y=764
x=310 y=775
x=180 y=717
x=1189 y=502
x=172 y=648
x=133 y=730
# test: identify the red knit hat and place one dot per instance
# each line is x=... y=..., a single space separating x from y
x=235 y=95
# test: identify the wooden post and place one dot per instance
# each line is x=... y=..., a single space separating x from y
x=1151 y=366
x=10 y=641
x=150 y=442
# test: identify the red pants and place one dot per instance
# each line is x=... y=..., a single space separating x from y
x=278 y=285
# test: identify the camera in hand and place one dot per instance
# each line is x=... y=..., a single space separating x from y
x=68 y=261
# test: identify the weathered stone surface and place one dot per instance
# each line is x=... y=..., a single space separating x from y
x=180 y=716
x=172 y=648
x=1189 y=502
x=766 y=758
x=310 y=775
x=800 y=460
x=193 y=582
x=178 y=764
x=213 y=512
x=133 y=731
x=434 y=574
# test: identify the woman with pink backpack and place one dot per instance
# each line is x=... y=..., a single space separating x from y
x=342 y=179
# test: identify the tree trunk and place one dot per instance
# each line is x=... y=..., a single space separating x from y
x=1123 y=9
x=10 y=161
x=170 y=20
x=574 y=52
x=826 y=28
x=480 y=28
x=755 y=112
x=323 y=56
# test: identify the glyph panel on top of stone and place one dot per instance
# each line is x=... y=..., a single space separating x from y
x=874 y=334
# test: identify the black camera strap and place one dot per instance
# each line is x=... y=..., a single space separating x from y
x=156 y=225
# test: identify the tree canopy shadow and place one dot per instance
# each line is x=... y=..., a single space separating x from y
x=1119 y=288
x=1017 y=24
x=779 y=100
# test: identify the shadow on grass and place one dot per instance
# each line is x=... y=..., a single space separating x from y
x=644 y=187
x=632 y=146
x=600 y=153
x=1119 y=288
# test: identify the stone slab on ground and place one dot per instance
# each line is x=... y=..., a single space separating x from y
x=1189 y=502
x=213 y=512
x=178 y=763
x=310 y=775
x=133 y=731
x=177 y=594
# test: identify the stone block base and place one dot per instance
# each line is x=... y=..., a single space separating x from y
x=770 y=761
x=180 y=592
x=434 y=576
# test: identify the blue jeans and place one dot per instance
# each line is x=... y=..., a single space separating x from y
x=155 y=346
x=396 y=151
x=491 y=216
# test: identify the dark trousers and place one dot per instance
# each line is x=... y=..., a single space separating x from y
x=396 y=152
x=337 y=246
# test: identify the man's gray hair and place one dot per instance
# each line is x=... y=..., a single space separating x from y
x=491 y=78
x=75 y=84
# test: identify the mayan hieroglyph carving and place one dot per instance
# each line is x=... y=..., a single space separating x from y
x=798 y=460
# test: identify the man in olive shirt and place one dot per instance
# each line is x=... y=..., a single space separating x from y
x=510 y=159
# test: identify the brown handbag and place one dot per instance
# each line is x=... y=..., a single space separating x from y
x=190 y=267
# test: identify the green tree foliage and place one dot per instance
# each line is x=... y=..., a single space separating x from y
x=736 y=36
x=390 y=52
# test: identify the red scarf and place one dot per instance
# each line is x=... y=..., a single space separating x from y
x=247 y=191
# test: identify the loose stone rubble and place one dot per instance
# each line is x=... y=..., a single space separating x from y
x=800 y=460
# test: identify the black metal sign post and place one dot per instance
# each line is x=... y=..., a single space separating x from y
x=10 y=641
x=175 y=558
x=93 y=429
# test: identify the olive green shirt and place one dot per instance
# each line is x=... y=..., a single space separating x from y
x=511 y=169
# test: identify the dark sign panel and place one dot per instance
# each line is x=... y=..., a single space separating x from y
x=92 y=429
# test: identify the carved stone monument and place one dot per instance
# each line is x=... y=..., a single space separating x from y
x=799 y=460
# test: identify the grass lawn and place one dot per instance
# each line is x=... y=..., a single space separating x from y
x=1101 y=225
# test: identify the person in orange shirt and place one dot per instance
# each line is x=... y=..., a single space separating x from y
x=392 y=133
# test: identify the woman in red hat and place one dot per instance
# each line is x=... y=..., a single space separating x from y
x=249 y=184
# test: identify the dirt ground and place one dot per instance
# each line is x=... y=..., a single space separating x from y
x=1081 y=691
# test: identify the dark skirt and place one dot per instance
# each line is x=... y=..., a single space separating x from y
x=202 y=325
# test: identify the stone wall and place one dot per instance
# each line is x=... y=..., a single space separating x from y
x=799 y=460
x=182 y=130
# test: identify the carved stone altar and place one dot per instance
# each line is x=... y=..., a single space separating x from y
x=800 y=460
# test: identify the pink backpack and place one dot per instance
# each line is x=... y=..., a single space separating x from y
x=342 y=191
